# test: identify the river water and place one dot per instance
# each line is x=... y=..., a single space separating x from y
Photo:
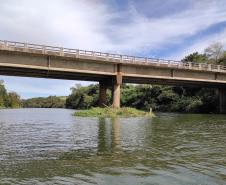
x=50 y=146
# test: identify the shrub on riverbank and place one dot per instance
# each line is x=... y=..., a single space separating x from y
x=113 y=112
x=8 y=99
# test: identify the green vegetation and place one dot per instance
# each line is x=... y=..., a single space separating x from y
x=196 y=57
x=8 y=100
x=49 y=102
x=84 y=97
x=144 y=97
x=112 y=112
x=12 y=100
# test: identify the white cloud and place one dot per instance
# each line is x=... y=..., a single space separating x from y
x=201 y=45
x=94 y=25
x=147 y=33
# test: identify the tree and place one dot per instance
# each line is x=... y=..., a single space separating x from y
x=223 y=59
x=215 y=52
x=84 y=97
x=3 y=94
x=14 y=100
x=2 y=104
x=196 y=57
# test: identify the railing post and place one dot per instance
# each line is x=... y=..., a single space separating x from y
x=218 y=68
x=43 y=50
x=5 y=44
x=93 y=54
x=25 y=47
x=169 y=63
x=209 y=67
x=107 y=56
x=189 y=65
x=158 y=62
x=77 y=53
x=146 y=60
x=200 y=66
x=61 y=51
x=120 y=58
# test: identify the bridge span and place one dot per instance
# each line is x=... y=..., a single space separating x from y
x=110 y=70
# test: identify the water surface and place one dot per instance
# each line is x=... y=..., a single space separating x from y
x=50 y=146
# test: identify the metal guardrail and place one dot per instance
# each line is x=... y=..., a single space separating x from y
x=93 y=55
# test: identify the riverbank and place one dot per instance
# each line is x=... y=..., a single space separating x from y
x=113 y=112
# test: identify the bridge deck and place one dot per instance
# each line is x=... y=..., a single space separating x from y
x=107 y=57
x=32 y=60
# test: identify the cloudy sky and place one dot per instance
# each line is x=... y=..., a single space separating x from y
x=167 y=29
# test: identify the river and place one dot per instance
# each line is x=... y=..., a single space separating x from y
x=50 y=146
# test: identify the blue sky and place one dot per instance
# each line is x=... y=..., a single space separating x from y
x=154 y=28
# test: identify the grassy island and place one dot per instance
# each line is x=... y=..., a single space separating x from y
x=113 y=112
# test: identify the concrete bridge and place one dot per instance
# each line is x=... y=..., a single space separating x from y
x=110 y=70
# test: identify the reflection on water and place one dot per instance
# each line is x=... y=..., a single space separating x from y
x=50 y=146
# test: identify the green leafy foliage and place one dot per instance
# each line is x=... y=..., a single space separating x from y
x=144 y=97
x=196 y=57
x=85 y=97
x=8 y=100
x=222 y=60
x=49 y=102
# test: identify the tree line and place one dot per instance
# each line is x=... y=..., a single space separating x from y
x=159 y=98
x=13 y=100
x=45 y=102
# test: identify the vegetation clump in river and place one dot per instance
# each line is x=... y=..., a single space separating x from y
x=113 y=112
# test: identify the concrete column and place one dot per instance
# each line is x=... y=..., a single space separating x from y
x=222 y=101
x=116 y=95
x=117 y=87
x=102 y=94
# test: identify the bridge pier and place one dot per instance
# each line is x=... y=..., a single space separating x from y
x=222 y=101
x=117 y=91
x=116 y=96
x=102 y=94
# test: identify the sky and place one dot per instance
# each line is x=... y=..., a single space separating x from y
x=169 y=29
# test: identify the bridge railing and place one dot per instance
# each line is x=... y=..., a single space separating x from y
x=93 y=55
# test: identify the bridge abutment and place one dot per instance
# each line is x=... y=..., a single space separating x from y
x=222 y=101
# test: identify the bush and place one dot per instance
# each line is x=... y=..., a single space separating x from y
x=112 y=112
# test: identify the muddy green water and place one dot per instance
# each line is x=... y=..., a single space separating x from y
x=50 y=146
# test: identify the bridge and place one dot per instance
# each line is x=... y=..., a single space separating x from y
x=110 y=70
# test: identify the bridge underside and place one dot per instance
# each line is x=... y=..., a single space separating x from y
x=41 y=73
x=67 y=75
